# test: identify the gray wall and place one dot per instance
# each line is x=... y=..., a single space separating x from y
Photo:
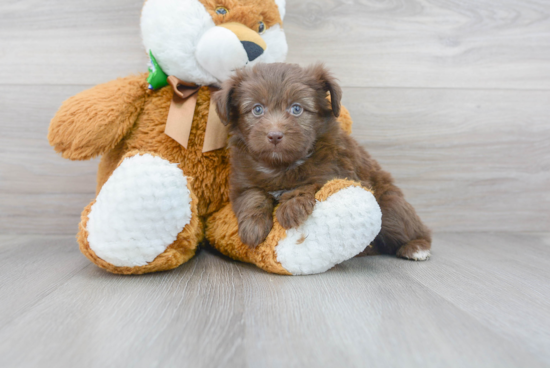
x=451 y=97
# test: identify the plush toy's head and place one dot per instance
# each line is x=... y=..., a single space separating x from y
x=205 y=41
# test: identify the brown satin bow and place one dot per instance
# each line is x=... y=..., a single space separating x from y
x=182 y=110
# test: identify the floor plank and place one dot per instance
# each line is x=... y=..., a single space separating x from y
x=367 y=313
x=191 y=315
x=501 y=280
x=33 y=267
x=469 y=306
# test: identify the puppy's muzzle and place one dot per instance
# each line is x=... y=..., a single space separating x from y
x=275 y=137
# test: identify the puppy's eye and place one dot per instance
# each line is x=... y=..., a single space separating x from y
x=220 y=10
x=296 y=109
x=261 y=28
x=258 y=110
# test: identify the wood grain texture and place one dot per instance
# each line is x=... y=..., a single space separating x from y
x=68 y=42
x=23 y=281
x=398 y=43
x=425 y=43
x=40 y=193
x=481 y=301
x=451 y=97
x=466 y=159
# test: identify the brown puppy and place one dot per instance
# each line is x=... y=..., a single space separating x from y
x=286 y=144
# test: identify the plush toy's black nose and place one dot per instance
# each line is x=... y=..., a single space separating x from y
x=252 y=50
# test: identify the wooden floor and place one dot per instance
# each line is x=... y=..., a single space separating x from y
x=482 y=301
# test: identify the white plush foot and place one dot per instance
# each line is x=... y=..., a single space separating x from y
x=139 y=212
x=338 y=229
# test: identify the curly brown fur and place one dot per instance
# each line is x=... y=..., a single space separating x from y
x=284 y=154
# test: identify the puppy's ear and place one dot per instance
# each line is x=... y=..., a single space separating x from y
x=330 y=85
x=223 y=101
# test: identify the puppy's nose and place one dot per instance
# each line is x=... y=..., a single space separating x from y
x=275 y=137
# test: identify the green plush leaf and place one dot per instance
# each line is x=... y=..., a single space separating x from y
x=157 y=77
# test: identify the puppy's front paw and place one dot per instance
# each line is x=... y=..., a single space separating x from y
x=295 y=211
x=254 y=230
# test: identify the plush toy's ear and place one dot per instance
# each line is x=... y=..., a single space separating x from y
x=281 y=4
x=223 y=101
x=330 y=85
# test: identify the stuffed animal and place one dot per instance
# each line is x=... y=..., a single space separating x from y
x=162 y=182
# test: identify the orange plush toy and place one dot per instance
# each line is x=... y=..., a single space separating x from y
x=163 y=177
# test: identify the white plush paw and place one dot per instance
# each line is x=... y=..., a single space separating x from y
x=338 y=229
x=139 y=212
